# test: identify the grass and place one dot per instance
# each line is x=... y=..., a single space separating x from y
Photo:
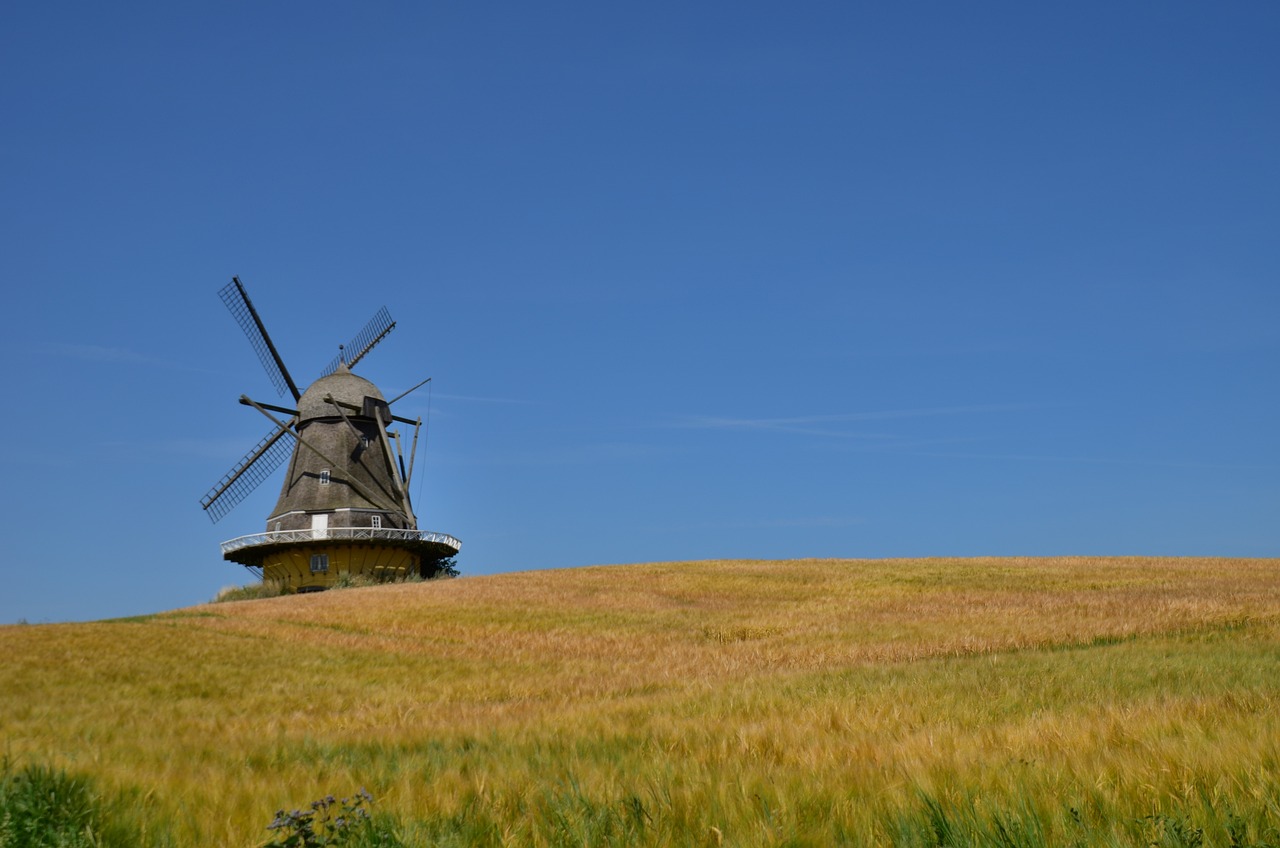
x=1063 y=701
x=251 y=591
x=275 y=588
x=41 y=807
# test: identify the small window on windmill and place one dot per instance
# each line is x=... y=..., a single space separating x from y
x=319 y=563
x=377 y=522
x=324 y=477
x=364 y=442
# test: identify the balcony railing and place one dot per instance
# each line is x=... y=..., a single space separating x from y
x=343 y=534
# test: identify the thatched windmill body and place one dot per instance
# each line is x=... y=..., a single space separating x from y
x=344 y=507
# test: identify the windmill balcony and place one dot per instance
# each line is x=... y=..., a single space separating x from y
x=250 y=550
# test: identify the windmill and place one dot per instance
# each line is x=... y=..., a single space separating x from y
x=344 y=507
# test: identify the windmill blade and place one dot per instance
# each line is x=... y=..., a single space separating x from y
x=375 y=331
x=237 y=300
x=245 y=475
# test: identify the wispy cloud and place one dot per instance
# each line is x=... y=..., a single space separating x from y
x=1082 y=460
x=107 y=355
x=152 y=451
x=809 y=521
x=97 y=353
x=477 y=399
x=220 y=449
x=443 y=405
x=584 y=454
x=822 y=425
x=42 y=459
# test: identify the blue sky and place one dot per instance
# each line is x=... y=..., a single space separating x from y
x=691 y=280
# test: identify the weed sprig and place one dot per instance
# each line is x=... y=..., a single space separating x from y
x=330 y=823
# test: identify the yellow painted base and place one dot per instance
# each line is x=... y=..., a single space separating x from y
x=293 y=567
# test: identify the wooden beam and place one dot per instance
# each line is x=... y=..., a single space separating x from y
x=365 y=493
x=413 y=451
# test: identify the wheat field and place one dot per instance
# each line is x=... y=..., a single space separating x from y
x=1126 y=701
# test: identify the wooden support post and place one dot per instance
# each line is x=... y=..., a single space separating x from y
x=413 y=451
x=365 y=493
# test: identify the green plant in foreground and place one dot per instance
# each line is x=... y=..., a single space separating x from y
x=332 y=822
x=41 y=807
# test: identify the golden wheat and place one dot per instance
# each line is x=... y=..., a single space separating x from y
x=760 y=699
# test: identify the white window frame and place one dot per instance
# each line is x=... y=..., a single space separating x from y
x=319 y=563
x=376 y=522
x=324 y=477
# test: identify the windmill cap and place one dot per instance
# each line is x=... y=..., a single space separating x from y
x=344 y=386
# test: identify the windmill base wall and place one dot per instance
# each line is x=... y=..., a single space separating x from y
x=292 y=567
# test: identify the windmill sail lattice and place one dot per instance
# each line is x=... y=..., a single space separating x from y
x=375 y=331
x=245 y=475
x=237 y=301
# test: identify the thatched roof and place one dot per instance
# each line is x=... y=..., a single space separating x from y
x=345 y=387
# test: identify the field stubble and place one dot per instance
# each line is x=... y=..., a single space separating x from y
x=746 y=701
